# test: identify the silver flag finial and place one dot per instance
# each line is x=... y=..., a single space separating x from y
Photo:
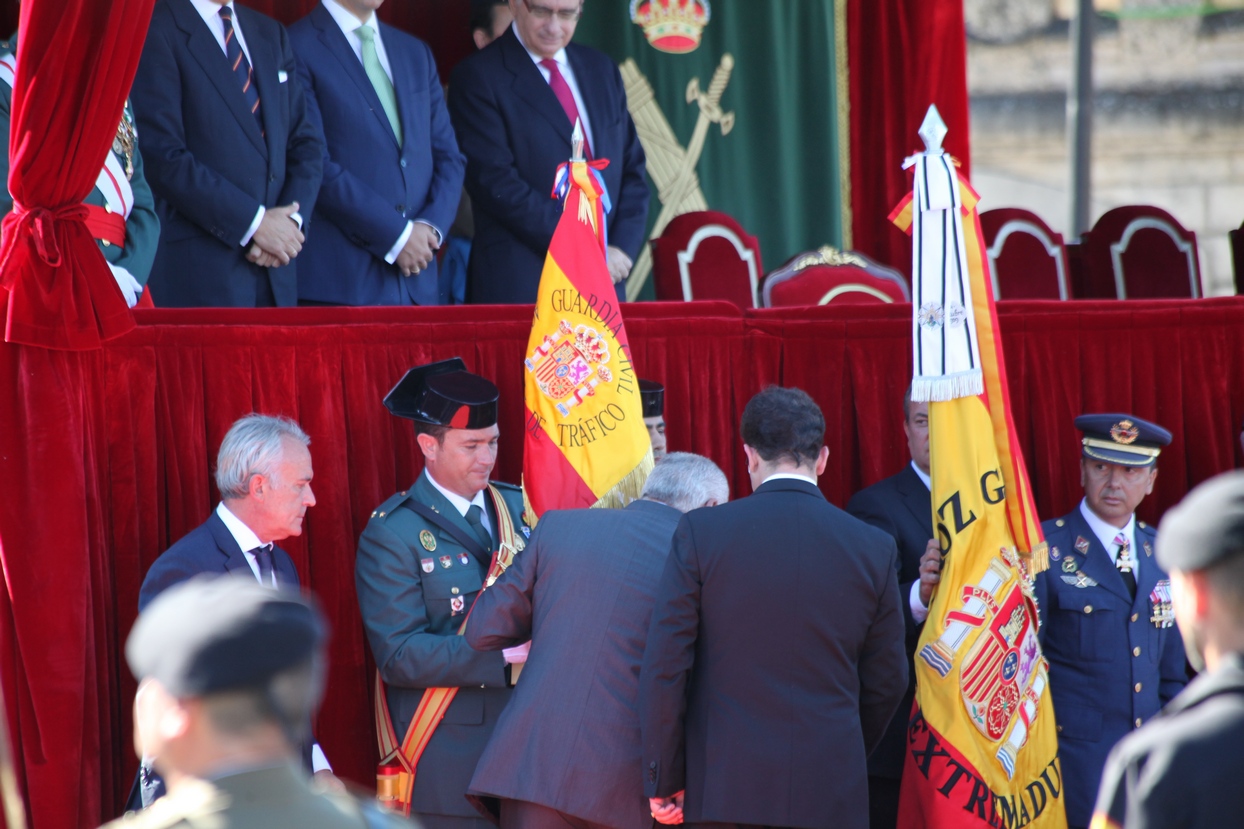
x=933 y=130
x=576 y=142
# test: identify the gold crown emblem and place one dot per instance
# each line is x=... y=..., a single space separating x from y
x=1124 y=432
x=672 y=26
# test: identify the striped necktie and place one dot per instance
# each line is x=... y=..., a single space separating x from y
x=240 y=65
x=379 y=80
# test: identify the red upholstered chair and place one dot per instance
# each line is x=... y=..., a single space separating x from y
x=828 y=275
x=1140 y=252
x=707 y=255
x=1027 y=260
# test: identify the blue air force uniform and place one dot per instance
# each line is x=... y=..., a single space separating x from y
x=1115 y=660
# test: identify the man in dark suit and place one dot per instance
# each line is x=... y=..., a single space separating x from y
x=232 y=158
x=566 y=750
x=422 y=559
x=901 y=506
x=392 y=170
x=263 y=472
x=513 y=106
x=775 y=656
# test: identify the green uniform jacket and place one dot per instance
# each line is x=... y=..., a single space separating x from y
x=269 y=798
x=142 y=228
x=415 y=584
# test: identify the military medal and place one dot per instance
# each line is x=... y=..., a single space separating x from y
x=1054 y=554
x=447 y=561
x=1082 y=545
x=427 y=540
x=526 y=531
x=1080 y=579
x=1148 y=549
x=1160 y=602
x=464 y=558
x=1069 y=566
x=427 y=564
x=123 y=143
x=457 y=604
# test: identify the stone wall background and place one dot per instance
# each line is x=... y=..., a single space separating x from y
x=1168 y=124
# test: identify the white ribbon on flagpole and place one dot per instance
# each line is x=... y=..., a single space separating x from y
x=945 y=355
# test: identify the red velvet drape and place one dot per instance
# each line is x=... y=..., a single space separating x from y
x=60 y=293
x=168 y=391
x=56 y=612
x=902 y=55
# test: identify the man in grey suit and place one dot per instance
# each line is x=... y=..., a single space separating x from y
x=566 y=751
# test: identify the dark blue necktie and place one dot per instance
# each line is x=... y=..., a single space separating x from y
x=240 y=65
x=263 y=557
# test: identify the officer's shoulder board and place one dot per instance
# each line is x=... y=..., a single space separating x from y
x=393 y=502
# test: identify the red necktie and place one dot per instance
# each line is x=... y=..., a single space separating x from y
x=566 y=98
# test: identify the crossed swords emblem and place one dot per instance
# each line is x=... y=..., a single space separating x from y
x=672 y=166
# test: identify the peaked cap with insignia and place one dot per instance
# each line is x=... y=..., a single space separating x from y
x=444 y=394
x=1121 y=438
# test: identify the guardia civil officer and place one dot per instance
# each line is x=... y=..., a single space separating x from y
x=652 y=396
x=1115 y=656
x=1183 y=768
x=421 y=561
x=230 y=673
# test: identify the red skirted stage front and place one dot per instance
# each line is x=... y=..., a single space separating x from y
x=160 y=399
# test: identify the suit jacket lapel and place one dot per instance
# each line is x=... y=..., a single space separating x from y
x=233 y=558
x=335 y=42
x=1096 y=563
x=265 y=63
x=594 y=104
x=286 y=572
x=404 y=86
x=529 y=85
x=202 y=45
x=916 y=497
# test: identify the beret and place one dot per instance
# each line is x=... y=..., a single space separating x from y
x=1206 y=527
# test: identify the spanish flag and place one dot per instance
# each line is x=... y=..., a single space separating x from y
x=586 y=444
x=982 y=745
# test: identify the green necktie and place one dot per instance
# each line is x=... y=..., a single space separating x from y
x=379 y=80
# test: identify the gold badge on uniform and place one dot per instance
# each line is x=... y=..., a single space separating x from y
x=1069 y=566
x=427 y=540
x=123 y=143
x=1124 y=432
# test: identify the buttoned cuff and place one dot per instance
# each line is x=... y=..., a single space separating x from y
x=391 y=256
x=246 y=240
x=918 y=611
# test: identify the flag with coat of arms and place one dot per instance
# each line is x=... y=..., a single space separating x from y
x=586 y=444
x=981 y=739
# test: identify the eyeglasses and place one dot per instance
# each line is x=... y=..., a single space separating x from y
x=545 y=14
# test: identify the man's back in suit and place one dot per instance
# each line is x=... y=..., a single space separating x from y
x=211 y=163
x=375 y=186
x=514 y=133
x=582 y=591
x=798 y=662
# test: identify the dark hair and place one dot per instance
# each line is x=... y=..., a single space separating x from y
x=784 y=423
x=432 y=429
x=482 y=14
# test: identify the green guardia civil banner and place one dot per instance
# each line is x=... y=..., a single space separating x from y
x=741 y=107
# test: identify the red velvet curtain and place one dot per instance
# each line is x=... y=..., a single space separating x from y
x=57 y=654
x=167 y=392
x=902 y=56
x=58 y=289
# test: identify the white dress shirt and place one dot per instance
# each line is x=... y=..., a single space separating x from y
x=209 y=10
x=788 y=476
x=1106 y=534
x=462 y=504
x=563 y=66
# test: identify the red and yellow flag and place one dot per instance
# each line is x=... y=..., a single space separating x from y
x=586 y=444
x=982 y=744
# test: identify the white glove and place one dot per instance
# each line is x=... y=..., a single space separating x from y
x=130 y=289
x=516 y=655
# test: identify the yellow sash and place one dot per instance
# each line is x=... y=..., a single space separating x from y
x=395 y=777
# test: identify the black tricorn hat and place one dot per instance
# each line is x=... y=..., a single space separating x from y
x=652 y=395
x=444 y=394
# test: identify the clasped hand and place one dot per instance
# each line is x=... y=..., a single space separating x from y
x=278 y=239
